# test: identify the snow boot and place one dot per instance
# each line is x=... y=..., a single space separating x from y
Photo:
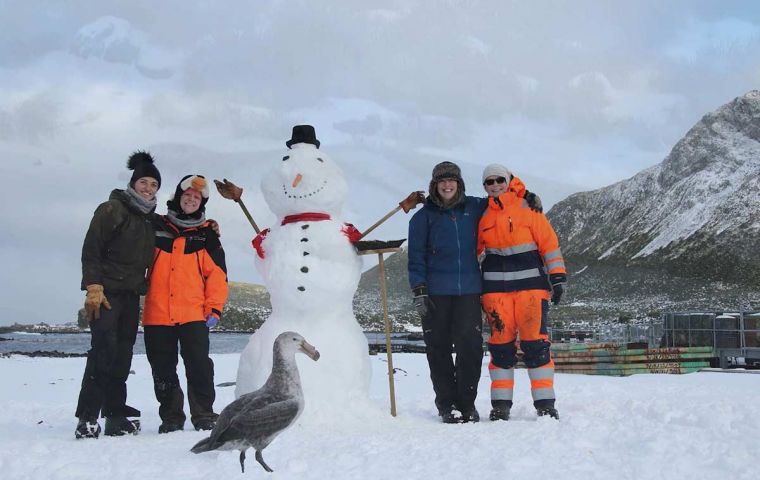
x=450 y=415
x=499 y=414
x=168 y=427
x=205 y=424
x=118 y=426
x=500 y=410
x=470 y=415
x=87 y=428
x=550 y=411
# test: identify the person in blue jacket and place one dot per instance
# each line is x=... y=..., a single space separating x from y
x=445 y=278
x=444 y=274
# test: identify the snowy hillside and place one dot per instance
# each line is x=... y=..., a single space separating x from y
x=695 y=214
x=701 y=426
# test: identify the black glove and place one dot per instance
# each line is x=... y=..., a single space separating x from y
x=557 y=291
x=422 y=301
x=534 y=201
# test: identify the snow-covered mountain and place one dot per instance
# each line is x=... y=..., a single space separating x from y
x=687 y=223
x=696 y=214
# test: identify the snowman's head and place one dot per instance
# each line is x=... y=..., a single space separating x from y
x=304 y=180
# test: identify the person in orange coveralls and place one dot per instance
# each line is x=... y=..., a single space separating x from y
x=186 y=294
x=522 y=270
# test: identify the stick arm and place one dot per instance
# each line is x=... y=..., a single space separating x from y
x=407 y=204
x=231 y=191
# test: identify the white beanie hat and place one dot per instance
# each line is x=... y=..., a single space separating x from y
x=496 y=170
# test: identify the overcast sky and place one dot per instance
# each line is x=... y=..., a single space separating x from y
x=571 y=96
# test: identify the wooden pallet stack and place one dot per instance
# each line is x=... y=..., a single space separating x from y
x=620 y=360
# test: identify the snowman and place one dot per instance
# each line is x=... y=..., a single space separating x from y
x=311 y=271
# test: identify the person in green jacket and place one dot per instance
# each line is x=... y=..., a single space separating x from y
x=117 y=251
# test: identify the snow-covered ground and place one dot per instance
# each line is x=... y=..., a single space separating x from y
x=697 y=426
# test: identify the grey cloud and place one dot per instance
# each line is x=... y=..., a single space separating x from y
x=31 y=120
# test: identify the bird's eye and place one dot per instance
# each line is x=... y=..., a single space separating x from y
x=285 y=157
x=320 y=159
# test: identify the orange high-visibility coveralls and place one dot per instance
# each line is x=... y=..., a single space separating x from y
x=522 y=262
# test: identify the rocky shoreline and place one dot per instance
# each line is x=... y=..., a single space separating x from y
x=41 y=353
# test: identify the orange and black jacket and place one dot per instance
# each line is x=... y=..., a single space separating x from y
x=521 y=248
x=188 y=279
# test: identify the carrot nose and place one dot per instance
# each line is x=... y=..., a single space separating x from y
x=297 y=180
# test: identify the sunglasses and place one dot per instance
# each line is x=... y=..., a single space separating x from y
x=498 y=180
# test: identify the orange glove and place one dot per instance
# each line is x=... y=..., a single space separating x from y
x=94 y=300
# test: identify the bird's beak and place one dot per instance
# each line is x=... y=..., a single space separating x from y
x=309 y=350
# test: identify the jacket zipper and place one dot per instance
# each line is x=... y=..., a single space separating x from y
x=459 y=255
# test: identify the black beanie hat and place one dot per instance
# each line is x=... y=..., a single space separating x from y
x=303 y=134
x=142 y=164
x=198 y=182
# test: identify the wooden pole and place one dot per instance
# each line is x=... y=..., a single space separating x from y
x=377 y=224
x=230 y=191
x=383 y=292
x=248 y=215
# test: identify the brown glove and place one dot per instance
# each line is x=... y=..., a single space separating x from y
x=410 y=202
x=94 y=300
x=229 y=190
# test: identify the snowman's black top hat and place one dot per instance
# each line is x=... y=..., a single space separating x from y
x=303 y=134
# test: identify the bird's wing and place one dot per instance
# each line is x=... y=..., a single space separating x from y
x=260 y=422
x=227 y=417
x=253 y=400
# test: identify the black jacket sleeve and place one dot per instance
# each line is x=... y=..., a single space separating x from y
x=103 y=226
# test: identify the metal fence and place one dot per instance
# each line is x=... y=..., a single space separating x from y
x=610 y=333
x=712 y=329
x=735 y=336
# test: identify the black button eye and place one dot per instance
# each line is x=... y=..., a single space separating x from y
x=285 y=157
x=320 y=159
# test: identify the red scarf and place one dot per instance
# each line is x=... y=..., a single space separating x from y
x=305 y=217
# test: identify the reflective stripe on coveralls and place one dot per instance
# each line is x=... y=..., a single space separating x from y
x=542 y=382
x=502 y=382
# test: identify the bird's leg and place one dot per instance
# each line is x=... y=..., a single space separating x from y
x=260 y=459
x=242 y=461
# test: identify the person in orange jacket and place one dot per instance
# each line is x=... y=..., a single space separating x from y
x=522 y=270
x=186 y=294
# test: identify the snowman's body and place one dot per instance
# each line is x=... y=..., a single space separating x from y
x=311 y=271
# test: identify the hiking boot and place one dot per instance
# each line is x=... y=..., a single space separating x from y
x=168 y=427
x=500 y=410
x=550 y=411
x=499 y=413
x=118 y=426
x=206 y=424
x=470 y=415
x=87 y=428
x=450 y=414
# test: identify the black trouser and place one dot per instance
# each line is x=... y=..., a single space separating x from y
x=161 y=348
x=454 y=320
x=104 y=384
